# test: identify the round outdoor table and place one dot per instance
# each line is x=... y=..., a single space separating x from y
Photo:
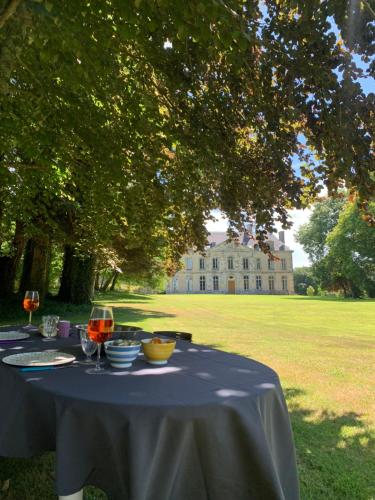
x=208 y=425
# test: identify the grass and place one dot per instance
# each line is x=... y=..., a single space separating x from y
x=322 y=348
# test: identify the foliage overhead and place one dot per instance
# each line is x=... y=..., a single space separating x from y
x=117 y=116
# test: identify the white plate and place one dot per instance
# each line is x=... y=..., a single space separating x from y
x=14 y=335
x=44 y=358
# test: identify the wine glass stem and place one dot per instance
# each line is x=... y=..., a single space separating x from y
x=97 y=367
x=30 y=315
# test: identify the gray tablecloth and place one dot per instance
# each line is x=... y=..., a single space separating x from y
x=207 y=426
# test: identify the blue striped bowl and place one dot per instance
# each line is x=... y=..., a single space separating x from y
x=121 y=356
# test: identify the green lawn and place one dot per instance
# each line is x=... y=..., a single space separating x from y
x=323 y=350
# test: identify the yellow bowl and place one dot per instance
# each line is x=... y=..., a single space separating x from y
x=158 y=354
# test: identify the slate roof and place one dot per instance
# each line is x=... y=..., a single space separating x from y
x=219 y=237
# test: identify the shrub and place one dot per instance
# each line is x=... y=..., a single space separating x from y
x=310 y=291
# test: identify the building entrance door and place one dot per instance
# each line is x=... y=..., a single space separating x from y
x=231 y=286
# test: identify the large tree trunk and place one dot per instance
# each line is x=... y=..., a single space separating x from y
x=106 y=283
x=66 y=276
x=115 y=277
x=97 y=282
x=9 y=263
x=36 y=264
x=78 y=277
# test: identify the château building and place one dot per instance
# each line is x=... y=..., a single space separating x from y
x=236 y=266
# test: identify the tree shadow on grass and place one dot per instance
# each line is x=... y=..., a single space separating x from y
x=335 y=453
x=133 y=315
x=121 y=297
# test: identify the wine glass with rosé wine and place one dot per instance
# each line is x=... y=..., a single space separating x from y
x=99 y=330
x=31 y=304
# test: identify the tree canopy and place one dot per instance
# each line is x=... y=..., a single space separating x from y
x=340 y=242
x=313 y=235
x=134 y=120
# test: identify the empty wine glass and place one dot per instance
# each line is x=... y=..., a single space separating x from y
x=30 y=304
x=50 y=326
x=88 y=346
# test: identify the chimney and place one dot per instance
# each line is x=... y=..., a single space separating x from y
x=282 y=236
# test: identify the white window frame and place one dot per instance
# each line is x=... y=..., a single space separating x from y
x=283 y=264
x=284 y=282
x=201 y=264
x=202 y=283
x=246 y=282
x=215 y=283
x=245 y=263
x=271 y=283
x=258 y=282
x=189 y=264
x=271 y=264
x=215 y=263
x=230 y=263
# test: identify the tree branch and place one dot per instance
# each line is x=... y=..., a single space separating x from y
x=8 y=11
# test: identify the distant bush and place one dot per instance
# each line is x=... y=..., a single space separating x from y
x=303 y=278
x=310 y=291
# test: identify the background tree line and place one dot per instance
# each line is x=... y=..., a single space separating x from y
x=340 y=242
x=123 y=124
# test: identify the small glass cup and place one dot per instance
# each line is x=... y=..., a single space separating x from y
x=50 y=326
x=88 y=346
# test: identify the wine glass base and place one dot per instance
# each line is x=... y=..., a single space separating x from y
x=29 y=327
x=95 y=371
x=86 y=361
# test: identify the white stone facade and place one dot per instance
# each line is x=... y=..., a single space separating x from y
x=236 y=267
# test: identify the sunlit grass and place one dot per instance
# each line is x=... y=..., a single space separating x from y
x=323 y=350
